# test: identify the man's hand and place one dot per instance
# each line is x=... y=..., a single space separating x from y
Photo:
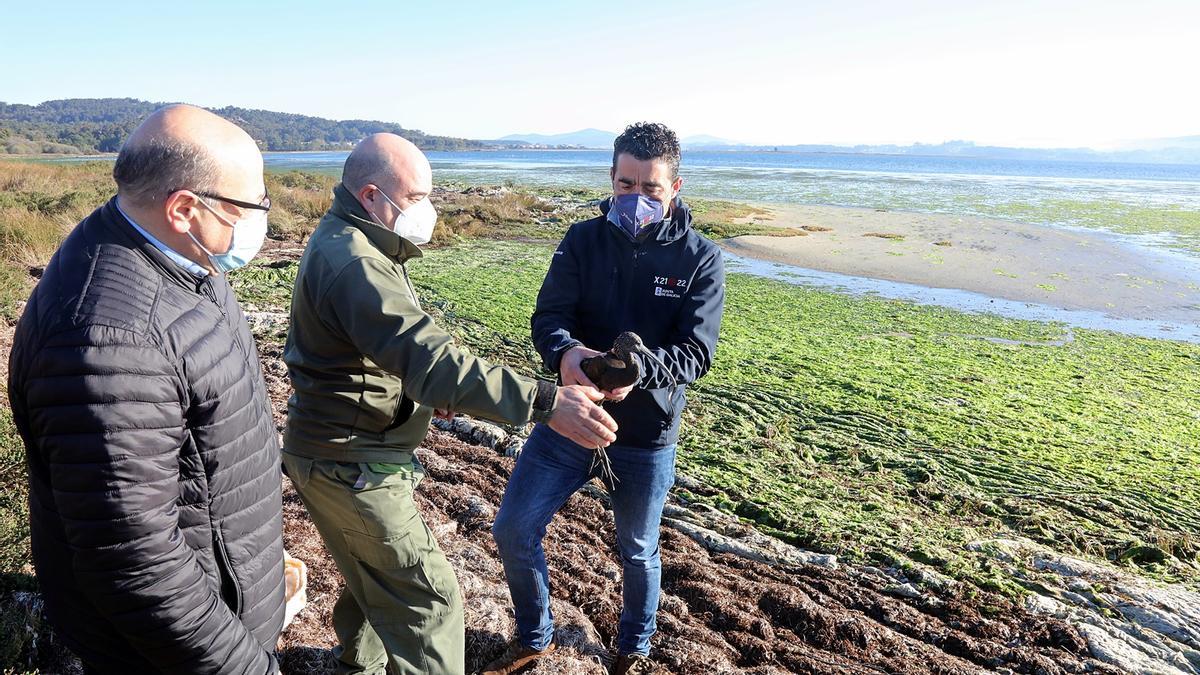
x=573 y=374
x=577 y=417
x=443 y=414
x=569 y=366
x=619 y=394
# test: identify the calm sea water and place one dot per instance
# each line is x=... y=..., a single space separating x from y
x=900 y=164
x=1106 y=196
x=1146 y=199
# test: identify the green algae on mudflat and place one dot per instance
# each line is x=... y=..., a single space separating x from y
x=887 y=431
x=878 y=428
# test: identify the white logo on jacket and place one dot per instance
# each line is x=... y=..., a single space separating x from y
x=666 y=287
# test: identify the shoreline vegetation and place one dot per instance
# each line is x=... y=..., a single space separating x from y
x=944 y=444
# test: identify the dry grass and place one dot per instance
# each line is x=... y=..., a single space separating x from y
x=39 y=205
x=884 y=235
x=482 y=208
x=496 y=213
x=54 y=179
x=41 y=202
x=298 y=201
x=301 y=199
x=28 y=239
x=23 y=146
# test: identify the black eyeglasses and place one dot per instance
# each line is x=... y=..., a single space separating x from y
x=264 y=205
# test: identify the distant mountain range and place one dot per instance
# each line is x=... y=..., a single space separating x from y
x=1182 y=150
x=1179 y=150
x=703 y=140
x=584 y=138
x=593 y=139
x=1159 y=144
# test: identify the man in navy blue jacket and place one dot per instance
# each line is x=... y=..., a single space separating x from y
x=637 y=267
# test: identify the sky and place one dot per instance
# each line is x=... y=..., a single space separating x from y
x=1051 y=73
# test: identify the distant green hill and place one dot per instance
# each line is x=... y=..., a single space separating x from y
x=93 y=125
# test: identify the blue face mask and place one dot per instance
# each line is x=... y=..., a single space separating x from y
x=634 y=212
x=248 y=236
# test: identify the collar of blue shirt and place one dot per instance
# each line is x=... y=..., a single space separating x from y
x=186 y=263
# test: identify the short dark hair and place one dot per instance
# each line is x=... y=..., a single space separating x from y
x=649 y=140
x=151 y=169
x=364 y=168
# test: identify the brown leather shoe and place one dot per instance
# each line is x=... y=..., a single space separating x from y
x=516 y=658
x=635 y=664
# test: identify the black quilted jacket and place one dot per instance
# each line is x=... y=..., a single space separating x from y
x=153 y=460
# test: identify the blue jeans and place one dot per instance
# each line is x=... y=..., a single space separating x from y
x=549 y=470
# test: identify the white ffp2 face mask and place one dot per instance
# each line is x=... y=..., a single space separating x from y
x=414 y=223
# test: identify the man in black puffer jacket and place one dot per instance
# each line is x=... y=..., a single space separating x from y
x=153 y=459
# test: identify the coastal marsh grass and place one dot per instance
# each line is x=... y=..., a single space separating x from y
x=298 y=201
x=497 y=213
x=39 y=204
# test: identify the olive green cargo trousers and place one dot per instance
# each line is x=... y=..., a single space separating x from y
x=401 y=611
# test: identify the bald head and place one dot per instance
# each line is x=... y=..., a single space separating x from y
x=185 y=147
x=389 y=162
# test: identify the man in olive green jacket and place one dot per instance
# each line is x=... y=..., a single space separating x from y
x=369 y=369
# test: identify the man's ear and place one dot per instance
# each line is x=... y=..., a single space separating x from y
x=363 y=191
x=179 y=209
x=676 y=186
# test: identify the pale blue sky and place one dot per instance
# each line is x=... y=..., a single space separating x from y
x=1018 y=72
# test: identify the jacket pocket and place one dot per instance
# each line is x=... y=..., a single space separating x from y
x=398 y=550
x=231 y=592
x=405 y=562
x=404 y=411
x=297 y=469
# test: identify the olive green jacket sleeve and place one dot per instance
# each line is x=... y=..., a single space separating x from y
x=372 y=304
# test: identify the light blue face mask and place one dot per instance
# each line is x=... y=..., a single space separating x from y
x=633 y=212
x=249 y=233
